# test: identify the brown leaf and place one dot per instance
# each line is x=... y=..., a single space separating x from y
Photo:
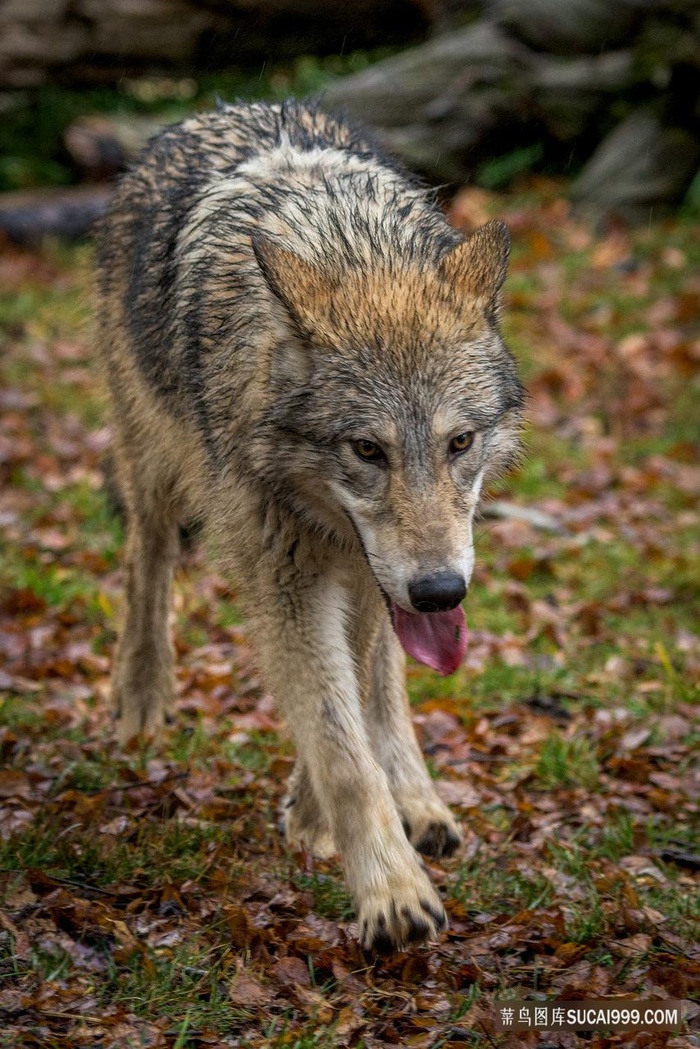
x=291 y=972
x=570 y=952
x=642 y=867
x=633 y=946
x=242 y=930
x=14 y=784
x=459 y=793
x=349 y=1020
x=246 y=991
x=15 y=683
x=23 y=602
x=314 y=1004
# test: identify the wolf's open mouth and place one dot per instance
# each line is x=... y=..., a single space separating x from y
x=438 y=639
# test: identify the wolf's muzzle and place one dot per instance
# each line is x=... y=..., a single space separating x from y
x=437 y=593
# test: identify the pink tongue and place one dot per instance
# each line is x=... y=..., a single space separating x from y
x=438 y=639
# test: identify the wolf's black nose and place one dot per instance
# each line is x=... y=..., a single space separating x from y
x=437 y=593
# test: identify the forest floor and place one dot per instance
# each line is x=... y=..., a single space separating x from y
x=147 y=898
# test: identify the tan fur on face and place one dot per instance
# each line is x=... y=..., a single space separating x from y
x=446 y=300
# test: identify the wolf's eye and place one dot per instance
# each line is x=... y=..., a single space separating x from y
x=369 y=451
x=461 y=443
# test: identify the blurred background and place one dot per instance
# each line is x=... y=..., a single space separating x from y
x=485 y=92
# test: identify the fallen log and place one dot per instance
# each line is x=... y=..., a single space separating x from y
x=438 y=104
x=570 y=27
x=481 y=93
x=434 y=104
x=639 y=165
x=98 y=41
x=29 y=216
x=100 y=146
x=531 y=82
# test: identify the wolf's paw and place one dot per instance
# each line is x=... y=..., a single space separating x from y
x=136 y=725
x=142 y=714
x=430 y=826
x=305 y=827
x=409 y=911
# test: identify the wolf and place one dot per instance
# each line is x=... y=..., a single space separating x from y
x=304 y=357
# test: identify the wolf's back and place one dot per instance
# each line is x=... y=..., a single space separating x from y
x=159 y=249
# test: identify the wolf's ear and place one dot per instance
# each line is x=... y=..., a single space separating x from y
x=477 y=266
x=304 y=289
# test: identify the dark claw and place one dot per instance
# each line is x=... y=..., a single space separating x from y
x=452 y=842
x=438 y=841
x=439 y=917
x=383 y=943
x=406 y=827
x=418 y=931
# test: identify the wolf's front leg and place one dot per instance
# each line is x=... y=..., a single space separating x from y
x=428 y=822
x=143 y=686
x=308 y=664
x=304 y=822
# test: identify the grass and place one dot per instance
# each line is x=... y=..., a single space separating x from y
x=573 y=724
x=331 y=899
x=31 y=138
x=566 y=762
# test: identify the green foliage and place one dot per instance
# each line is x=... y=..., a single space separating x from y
x=501 y=171
x=692 y=197
x=34 y=122
x=567 y=763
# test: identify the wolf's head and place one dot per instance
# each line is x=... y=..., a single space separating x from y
x=396 y=399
